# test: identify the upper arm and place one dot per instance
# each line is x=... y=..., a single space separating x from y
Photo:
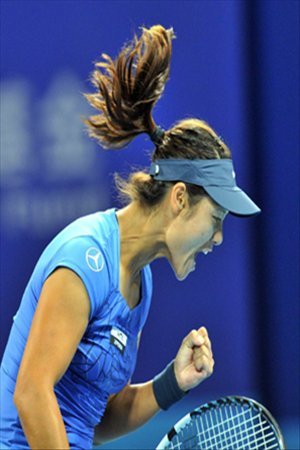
x=59 y=322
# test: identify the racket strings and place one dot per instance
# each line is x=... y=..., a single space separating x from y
x=213 y=433
x=228 y=428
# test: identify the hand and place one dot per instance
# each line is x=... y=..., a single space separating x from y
x=194 y=361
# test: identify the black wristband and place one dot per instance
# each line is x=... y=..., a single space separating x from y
x=166 y=389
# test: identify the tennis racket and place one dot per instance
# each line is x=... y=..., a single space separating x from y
x=226 y=424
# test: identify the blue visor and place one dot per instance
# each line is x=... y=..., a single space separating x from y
x=216 y=176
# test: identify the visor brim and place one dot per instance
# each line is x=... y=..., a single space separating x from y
x=234 y=200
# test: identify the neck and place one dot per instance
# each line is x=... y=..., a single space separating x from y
x=142 y=238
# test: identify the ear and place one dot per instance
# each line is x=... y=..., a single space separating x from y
x=178 y=197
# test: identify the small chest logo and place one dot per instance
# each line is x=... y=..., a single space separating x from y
x=118 y=339
x=94 y=259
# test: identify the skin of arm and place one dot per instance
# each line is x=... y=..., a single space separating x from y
x=127 y=410
x=59 y=323
x=136 y=404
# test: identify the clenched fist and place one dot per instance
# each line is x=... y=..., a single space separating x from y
x=194 y=361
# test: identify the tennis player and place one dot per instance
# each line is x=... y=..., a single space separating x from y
x=65 y=374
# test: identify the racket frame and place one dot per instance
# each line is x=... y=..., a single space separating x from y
x=214 y=404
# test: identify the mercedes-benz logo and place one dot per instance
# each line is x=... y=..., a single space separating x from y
x=94 y=259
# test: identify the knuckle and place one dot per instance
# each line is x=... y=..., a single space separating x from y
x=210 y=370
x=198 y=351
x=189 y=335
x=194 y=333
x=204 y=331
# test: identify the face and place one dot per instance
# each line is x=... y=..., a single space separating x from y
x=194 y=232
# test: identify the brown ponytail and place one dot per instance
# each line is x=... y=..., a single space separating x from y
x=129 y=87
x=127 y=90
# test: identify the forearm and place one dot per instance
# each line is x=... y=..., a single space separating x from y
x=41 y=419
x=129 y=409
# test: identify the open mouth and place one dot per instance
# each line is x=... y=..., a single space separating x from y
x=205 y=251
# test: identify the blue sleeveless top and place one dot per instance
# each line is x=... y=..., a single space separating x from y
x=105 y=358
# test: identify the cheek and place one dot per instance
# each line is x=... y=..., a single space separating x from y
x=176 y=237
x=199 y=233
x=183 y=237
x=206 y=234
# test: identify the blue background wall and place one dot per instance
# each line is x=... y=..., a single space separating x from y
x=235 y=64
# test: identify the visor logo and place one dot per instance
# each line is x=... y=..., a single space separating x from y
x=94 y=259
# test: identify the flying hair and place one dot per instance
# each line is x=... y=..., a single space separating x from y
x=128 y=87
x=127 y=90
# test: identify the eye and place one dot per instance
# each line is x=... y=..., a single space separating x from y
x=217 y=221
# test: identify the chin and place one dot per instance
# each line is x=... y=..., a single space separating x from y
x=182 y=271
x=181 y=277
x=183 y=274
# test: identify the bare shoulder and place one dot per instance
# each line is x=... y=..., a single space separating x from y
x=59 y=322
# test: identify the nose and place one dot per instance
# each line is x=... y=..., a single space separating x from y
x=217 y=237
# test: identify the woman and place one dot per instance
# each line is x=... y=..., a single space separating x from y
x=72 y=349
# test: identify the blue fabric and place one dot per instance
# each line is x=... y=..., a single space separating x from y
x=216 y=176
x=90 y=246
